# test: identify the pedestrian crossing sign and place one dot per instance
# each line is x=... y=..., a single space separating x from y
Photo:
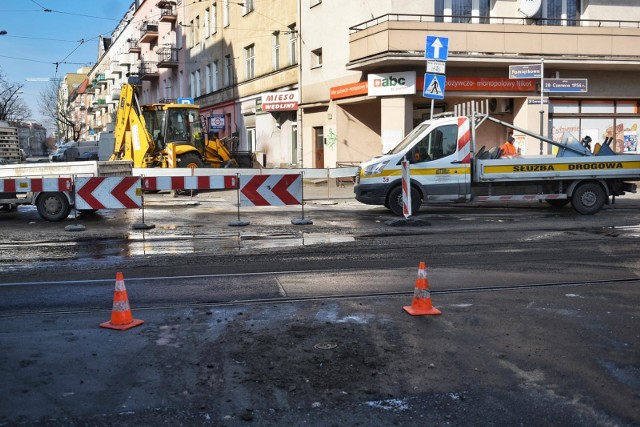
x=434 y=86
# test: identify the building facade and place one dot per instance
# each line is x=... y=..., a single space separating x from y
x=355 y=119
x=315 y=83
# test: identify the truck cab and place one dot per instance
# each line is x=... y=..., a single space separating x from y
x=439 y=154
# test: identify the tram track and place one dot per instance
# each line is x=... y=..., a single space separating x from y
x=332 y=297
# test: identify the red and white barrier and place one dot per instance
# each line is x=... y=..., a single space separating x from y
x=153 y=183
x=35 y=185
x=271 y=190
x=108 y=193
x=406 y=189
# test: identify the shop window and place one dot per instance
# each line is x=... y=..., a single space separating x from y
x=629 y=107
x=565 y=107
x=601 y=107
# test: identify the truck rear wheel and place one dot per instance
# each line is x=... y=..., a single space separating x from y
x=53 y=206
x=395 y=201
x=588 y=198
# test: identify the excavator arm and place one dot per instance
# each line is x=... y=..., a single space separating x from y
x=132 y=140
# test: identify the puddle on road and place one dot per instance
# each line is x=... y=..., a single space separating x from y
x=143 y=244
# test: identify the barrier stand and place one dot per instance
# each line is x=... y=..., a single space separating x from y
x=238 y=222
x=75 y=226
x=303 y=220
x=142 y=225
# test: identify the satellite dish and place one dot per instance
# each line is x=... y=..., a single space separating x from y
x=530 y=8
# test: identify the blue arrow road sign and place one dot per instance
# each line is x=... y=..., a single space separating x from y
x=434 y=86
x=437 y=48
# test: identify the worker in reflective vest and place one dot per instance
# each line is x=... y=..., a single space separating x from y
x=508 y=150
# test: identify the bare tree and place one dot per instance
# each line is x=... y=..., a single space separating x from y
x=57 y=112
x=12 y=106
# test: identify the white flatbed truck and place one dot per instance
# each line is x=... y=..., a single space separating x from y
x=54 y=205
x=445 y=166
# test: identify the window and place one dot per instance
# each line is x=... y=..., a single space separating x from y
x=293 y=45
x=225 y=13
x=216 y=77
x=192 y=34
x=438 y=143
x=208 y=77
x=251 y=139
x=214 y=18
x=196 y=31
x=601 y=120
x=463 y=11
x=198 y=87
x=275 y=52
x=316 y=58
x=247 y=6
x=192 y=84
x=561 y=12
x=227 y=71
x=207 y=22
x=250 y=62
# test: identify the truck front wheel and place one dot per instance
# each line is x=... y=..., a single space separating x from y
x=394 y=201
x=53 y=206
x=588 y=198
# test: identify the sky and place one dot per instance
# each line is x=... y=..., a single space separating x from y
x=37 y=39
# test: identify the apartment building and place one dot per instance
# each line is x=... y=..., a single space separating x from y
x=243 y=72
x=345 y=118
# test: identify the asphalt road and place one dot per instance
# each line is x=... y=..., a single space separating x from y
x=275 y=324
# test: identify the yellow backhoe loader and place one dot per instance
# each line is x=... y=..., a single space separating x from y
x=168 y=136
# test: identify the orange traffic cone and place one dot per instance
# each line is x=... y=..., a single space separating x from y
x=421 y=303
x=121 y=317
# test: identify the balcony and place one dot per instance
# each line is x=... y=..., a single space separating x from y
x=125 y=59
x=148 y=32
x=167 y=57
x=399 y=40
x=167 y=11
x=101 y=79
x=148 y=71
x=134 y=47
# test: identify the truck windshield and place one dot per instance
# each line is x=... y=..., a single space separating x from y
x=410 y=139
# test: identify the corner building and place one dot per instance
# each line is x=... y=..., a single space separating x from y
x=352 y=107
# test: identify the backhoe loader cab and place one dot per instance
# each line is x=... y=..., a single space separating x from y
x=177 y=124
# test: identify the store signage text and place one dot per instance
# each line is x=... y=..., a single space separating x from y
x=392 y=84
x=280 y=101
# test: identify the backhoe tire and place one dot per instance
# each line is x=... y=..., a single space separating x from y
x=53 y=206
x=395 y=201
x=190 y=160
x=588 y=198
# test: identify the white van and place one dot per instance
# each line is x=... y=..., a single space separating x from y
x=73 y=150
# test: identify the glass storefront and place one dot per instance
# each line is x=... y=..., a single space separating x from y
x=599 y=120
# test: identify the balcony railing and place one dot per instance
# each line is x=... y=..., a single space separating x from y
x=148 y=32
x=134 y=46
x=167 y=11
x=465 y=19
x=148 y=70
x=167 y=57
